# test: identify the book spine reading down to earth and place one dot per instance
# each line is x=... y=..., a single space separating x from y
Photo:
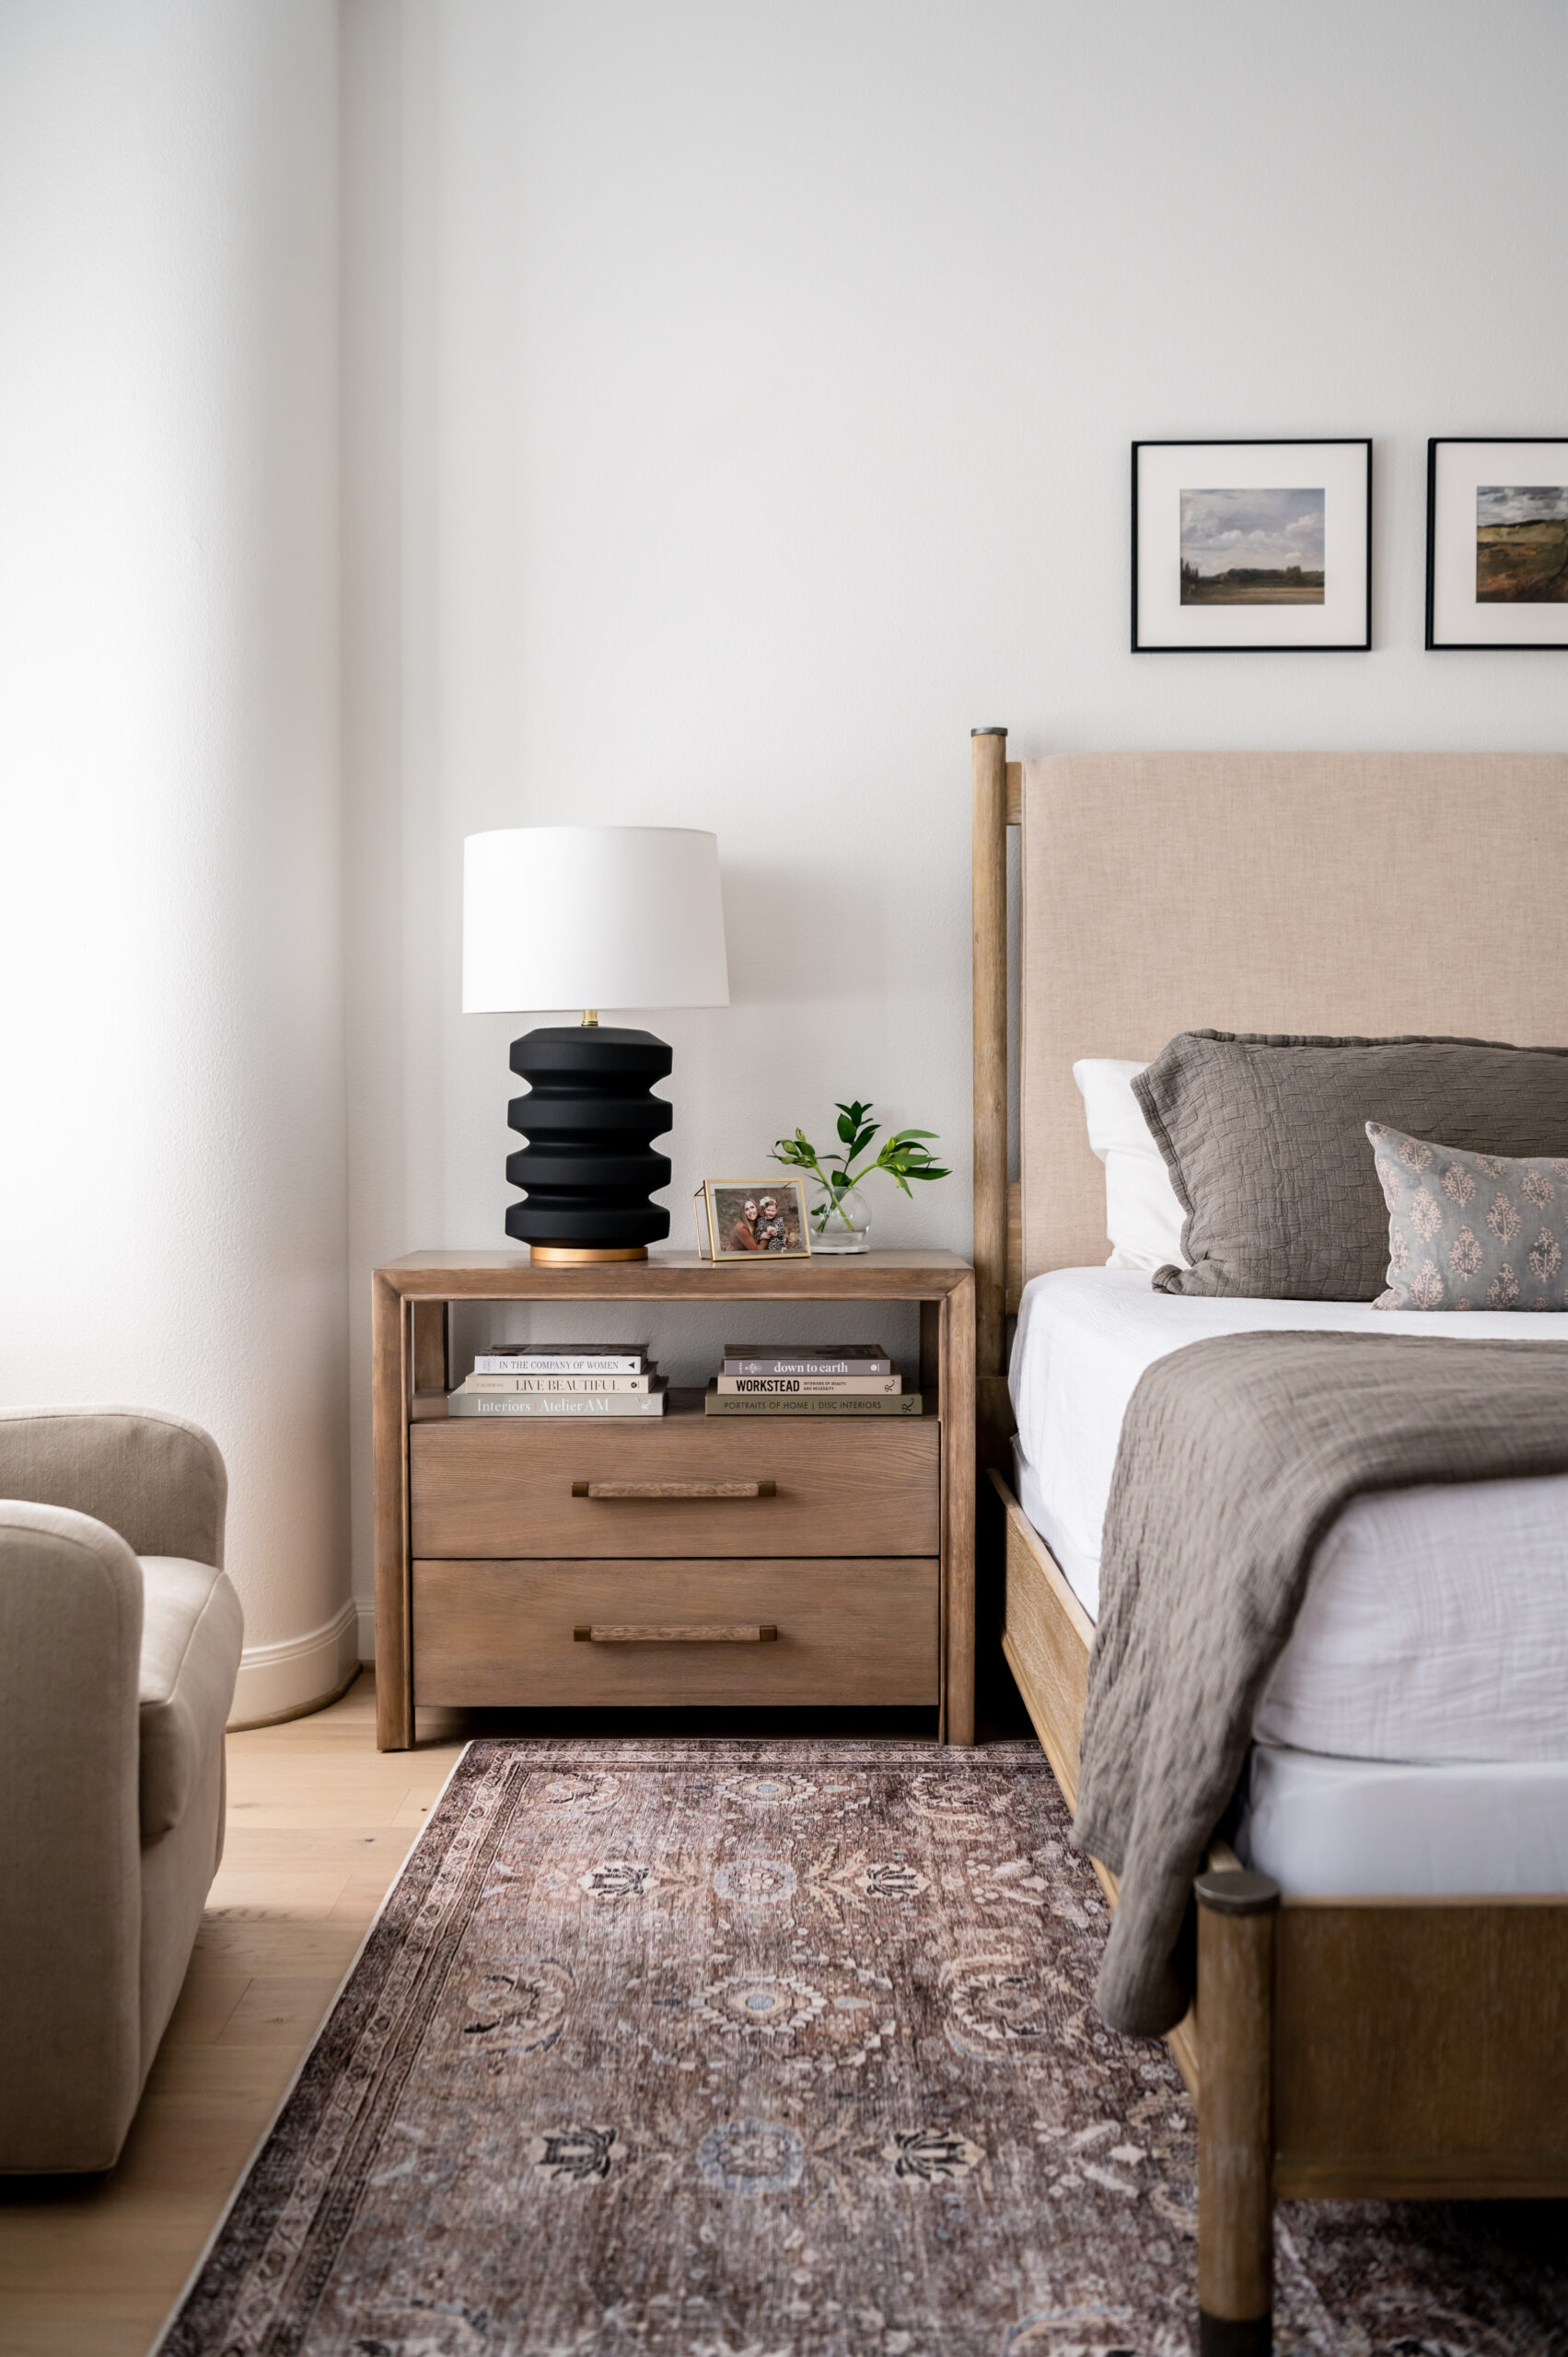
x=802 y=1358
x=887 y=1403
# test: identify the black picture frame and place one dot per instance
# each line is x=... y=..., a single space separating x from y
x=1219 y=644
x=1435 y=646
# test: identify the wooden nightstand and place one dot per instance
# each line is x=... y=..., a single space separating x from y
x=854 y=1539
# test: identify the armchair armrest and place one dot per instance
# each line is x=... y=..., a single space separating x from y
x=156 y=1480
x=70 y=1850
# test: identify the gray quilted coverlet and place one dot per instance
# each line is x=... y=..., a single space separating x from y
x=1265 y=1138
x=1236 y=1455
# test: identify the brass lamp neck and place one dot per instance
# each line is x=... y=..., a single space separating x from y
x=590 y=1019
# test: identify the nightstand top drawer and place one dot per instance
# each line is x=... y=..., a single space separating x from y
x=680 y=1485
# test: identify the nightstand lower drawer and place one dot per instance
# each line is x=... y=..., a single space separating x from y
x=862 y=1629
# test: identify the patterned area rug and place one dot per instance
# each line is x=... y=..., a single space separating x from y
x=761 y=2049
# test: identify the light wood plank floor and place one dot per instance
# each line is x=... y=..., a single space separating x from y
x=319 y=1823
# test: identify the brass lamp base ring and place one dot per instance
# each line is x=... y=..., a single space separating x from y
x=560 y=1255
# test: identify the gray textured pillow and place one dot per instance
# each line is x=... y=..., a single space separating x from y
x=1265 y=1138
x=1471 y=1231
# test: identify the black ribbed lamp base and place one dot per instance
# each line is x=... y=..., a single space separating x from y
x=589 y=1118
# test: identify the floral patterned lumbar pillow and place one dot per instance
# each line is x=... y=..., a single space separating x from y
x=1471 y=1231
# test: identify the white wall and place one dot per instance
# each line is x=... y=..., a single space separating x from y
x=736 y=411
x=171 y=1187
x=754 y=389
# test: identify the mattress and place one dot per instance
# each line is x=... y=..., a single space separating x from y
x=1358 y=1827
x=1434 y=1628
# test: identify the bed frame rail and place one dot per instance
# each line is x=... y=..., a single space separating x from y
x=1343 y=2049
x=1366 y=2050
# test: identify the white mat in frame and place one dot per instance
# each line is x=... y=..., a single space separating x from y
x=1479 y=492
x=1321 y=488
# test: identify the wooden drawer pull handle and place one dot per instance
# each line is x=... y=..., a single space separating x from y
x=695 y=1633
x=655 y=1490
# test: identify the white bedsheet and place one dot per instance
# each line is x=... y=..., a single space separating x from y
x=1360 y=1827
x=1436 y=1624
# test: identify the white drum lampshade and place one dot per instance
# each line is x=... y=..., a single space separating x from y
x=561 y=917
x=591 y=917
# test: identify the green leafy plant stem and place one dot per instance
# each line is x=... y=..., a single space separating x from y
x=903 y=1157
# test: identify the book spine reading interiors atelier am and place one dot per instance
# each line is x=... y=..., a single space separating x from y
x=522 y=1404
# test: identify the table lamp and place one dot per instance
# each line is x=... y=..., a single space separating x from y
x=590 y=917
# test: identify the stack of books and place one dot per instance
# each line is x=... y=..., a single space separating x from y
x=561 y=1379
x=809 y=1379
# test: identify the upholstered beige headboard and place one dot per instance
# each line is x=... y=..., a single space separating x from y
x=1334 y=892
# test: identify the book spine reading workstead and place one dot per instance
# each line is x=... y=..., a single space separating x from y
x=610 y=1361
x=890 y=1403
x=809 y=1387
x=520 y=1403
x=572 y=1384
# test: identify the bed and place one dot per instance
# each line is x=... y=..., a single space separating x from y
x=1396 y=2026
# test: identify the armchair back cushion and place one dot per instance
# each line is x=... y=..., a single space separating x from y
x=156 y=1480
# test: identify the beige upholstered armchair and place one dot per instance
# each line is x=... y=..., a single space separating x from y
x=119 y=1645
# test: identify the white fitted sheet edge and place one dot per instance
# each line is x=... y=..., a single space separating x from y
x=1435 y=1626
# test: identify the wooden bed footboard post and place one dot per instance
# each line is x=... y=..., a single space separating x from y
x=988 y=757
x=1236 y=1915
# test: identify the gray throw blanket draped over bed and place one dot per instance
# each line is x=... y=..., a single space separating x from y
x=1235 y=1457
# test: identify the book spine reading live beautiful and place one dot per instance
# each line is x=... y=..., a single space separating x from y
x=576 y=1384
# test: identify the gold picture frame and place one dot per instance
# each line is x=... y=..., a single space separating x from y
x=773 y=1210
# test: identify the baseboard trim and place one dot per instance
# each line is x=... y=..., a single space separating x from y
x=301 y=1674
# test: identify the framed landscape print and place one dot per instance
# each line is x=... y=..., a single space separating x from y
x=1251 y=547
x=1497 y=543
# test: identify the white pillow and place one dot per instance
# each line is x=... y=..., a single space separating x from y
x=1143 y=1218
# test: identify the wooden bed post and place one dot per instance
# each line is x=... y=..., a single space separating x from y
x=988 y=753
x=1236 y=1915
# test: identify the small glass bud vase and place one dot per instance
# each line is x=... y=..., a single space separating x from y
x=840 y=1223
